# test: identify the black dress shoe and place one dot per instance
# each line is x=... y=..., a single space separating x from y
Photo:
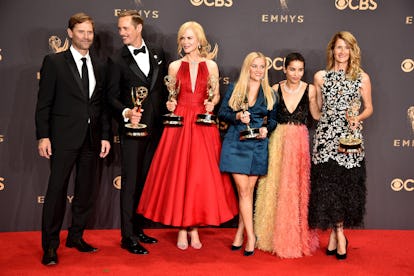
x=133 y=247
x=80 y=245
x=50 y=257
x=146 y=239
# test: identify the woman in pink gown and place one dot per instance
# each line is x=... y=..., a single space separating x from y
x=184 y=187
x=281 y=214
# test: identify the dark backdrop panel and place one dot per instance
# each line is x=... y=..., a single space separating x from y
x=384 y=30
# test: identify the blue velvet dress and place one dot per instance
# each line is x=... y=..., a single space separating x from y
x=249 y=156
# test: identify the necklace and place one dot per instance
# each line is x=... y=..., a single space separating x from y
x=289 y=91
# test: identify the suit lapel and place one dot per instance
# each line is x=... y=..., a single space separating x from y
x=74 y=69
x=154 y=63
x=97 y=73
x=127 y=56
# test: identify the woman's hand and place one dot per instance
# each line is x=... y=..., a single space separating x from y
x=171 y=105
x=209 y=105
x=262 y=133
x=244 y=117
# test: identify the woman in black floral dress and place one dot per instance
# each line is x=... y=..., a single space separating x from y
x=338 y=188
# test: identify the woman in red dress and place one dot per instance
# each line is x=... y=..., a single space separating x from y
x=184 y=187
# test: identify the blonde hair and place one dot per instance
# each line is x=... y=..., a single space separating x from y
x=354 y=64
x=204 y=47
x=242 y=85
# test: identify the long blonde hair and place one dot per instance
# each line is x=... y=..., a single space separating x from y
x=204 y=47
x=242 y=85
x=354 y=64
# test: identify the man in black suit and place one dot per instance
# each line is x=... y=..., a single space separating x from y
x=136 y=64
x=72 y=127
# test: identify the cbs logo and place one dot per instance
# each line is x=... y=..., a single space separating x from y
x=398 y=184
x=212 y=3
x=2 y=186
x=117 y=182
x=407 y=65
x=361 y=5
x=276 y=63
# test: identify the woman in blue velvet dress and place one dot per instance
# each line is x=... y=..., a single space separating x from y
x=246 y=160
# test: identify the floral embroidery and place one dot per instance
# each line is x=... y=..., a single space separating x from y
x=337 y=93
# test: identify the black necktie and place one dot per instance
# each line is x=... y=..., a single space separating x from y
x=85 y=76
x=140 y=50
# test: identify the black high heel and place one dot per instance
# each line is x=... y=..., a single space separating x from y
x=250 y=253
x=235 y=248
x=343 y=256
x=331 y=252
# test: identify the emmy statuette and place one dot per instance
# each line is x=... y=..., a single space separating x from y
x=351 y=143
x=249 y=133
x=138 y=95
x=172 y=119
x=209 y=118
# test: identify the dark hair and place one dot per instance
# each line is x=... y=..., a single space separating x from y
x=79 y=18
x=293 y=57
x=136 y=18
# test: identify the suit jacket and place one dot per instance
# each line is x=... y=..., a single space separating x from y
x=64 y=109
x=124 y=73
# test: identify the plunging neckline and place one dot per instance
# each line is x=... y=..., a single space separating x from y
x=298 y=103
x=193 y=88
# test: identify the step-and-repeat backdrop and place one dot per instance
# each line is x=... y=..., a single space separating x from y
x=384 y=29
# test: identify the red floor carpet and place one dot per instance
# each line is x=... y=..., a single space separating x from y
x=370 y=252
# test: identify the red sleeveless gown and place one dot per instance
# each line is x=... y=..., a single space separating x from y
x=184 y=186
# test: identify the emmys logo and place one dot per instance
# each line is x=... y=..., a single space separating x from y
x=1 y=138
x=409 y=20
x=55 y=44
x=398 y=184
x=282 y=18
x=405 y=143
x=361 y=5
x=143 y=13
x=138 y=2
x=41 y=199
x=2 y=185
x=276 y=63
x=410 y=116
x=212 y=3
x=117 y=182
x=407 y=65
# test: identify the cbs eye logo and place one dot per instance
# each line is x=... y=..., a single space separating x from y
x=212 y=3
x=117 y=182
x=398 y=184
x=361 y=5
x=407 y=65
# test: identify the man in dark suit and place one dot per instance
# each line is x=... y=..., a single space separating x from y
x=136 y=64
x=72 y=127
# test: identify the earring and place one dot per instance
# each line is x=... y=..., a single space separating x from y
x=199 y=46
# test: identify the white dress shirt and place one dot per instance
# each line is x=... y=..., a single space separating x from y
x=78 y=59
x=141 y=59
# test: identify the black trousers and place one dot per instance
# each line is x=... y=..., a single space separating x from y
x=136 y=154
x=62 y=163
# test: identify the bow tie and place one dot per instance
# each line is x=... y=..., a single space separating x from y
x=140 y=50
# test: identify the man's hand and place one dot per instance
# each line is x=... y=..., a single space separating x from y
x=44 y=147
x=134 y=115
x=105 y=147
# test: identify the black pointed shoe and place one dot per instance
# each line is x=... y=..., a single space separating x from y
x=133 y=246
x=50 y=257
x=146 y=239
x=80 y=245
